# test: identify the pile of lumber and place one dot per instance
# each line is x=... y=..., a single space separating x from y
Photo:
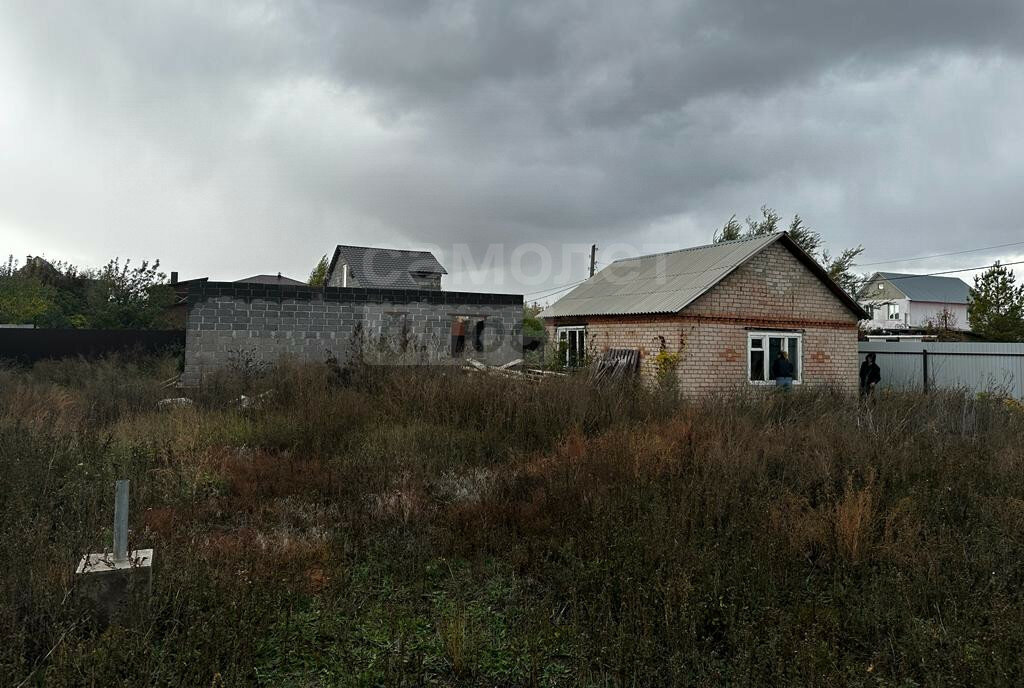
x=510 y=369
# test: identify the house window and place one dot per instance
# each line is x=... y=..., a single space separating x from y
x=573 y=340
x=763 y=348
x=893 y=311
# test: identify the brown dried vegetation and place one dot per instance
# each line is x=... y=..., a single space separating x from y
x=431 y=527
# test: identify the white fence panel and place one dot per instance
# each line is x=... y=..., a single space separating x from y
x=977 y=366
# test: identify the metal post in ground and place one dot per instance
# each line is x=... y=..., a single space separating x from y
x=121 y=521
x=924 y=368
x=121 y=582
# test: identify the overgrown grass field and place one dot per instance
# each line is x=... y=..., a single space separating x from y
x=409 y=527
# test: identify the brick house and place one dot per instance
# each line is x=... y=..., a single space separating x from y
x=720 y=313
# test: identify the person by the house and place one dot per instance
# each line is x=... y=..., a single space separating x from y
x=782 y=370
x=870 y=375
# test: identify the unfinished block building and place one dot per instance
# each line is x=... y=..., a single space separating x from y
x=231 y=323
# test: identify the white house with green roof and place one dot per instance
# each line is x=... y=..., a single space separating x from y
x=899 y=301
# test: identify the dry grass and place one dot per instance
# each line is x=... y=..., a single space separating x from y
x=423 y=527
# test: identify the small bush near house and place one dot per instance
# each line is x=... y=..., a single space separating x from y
x=435 y=527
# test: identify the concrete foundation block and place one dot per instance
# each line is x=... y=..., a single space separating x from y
x=115 y=586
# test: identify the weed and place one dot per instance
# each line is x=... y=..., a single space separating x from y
x=418 y=526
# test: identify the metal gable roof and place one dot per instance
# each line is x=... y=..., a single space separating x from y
x=668 y=282
x=385 y=267
x=929 y=287
x=658 y=283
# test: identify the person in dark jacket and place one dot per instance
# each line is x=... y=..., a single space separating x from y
x=870 y=375
x=782 y=371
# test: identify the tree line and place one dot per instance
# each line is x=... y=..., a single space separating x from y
x=119 y=295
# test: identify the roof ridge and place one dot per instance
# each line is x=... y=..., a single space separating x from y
x=703 y=246
x=393 y=250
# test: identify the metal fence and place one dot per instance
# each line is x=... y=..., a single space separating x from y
x=979 y=367
x=32 y=345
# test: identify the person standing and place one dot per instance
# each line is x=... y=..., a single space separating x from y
x=782 y=371
x=870 y=375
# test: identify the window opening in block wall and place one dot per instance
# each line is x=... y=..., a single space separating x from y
x=478 y=335
x=467 y=326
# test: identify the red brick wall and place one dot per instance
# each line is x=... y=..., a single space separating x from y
x=774 y=291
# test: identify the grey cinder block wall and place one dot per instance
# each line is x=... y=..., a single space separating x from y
x=232 y=323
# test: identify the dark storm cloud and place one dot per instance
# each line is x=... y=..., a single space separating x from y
x=612 y=62
x=265 y=132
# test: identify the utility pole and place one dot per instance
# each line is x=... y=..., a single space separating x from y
x=593 y=258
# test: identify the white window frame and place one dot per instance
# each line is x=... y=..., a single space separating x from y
x=764 y=336
x=892 y=311
x=563 y=331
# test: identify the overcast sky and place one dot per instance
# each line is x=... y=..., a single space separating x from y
x=232 y=138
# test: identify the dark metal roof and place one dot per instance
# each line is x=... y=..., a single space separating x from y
x=931 y=288
x=385 y=267
x=668 y=282
x=271 y=279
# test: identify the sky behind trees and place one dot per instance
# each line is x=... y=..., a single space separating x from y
x=233 y=138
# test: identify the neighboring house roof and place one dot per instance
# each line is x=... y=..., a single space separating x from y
x=272 y=279
x=927 y=287
x=668 y=282
x=385 y=267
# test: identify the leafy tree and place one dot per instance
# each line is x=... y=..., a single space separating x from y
x=318 y=277
x=805 y=237
x=839 y=268
x=731 y=231
x=996 y=308
x=24 y=300
x=532 y=325
x=59 y=295
x=119 y=296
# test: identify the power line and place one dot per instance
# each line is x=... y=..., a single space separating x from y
x=939 y=255
x=950 y=272
x=559 y=290
x=567 y=284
